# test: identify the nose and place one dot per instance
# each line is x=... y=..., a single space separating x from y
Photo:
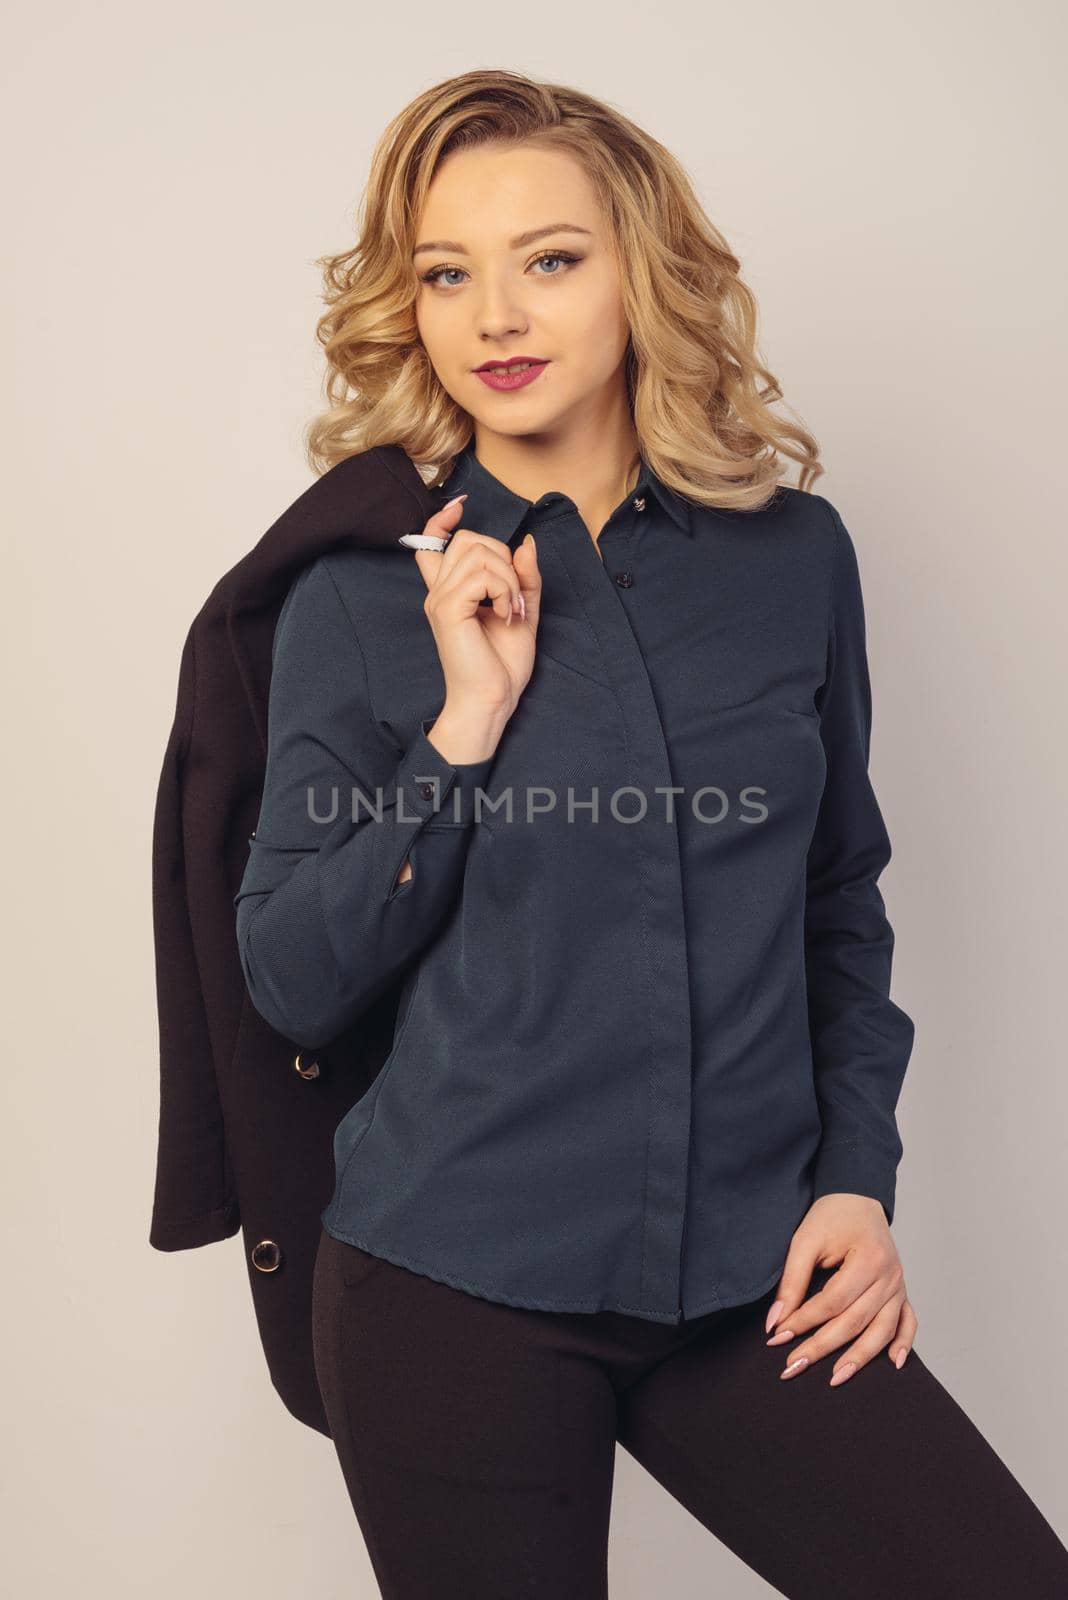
x=499 y=330
x=499 y=316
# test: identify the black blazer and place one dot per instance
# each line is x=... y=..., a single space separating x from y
x=246 y=1122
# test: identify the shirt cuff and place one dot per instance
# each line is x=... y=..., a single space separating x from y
x=856 y=1169
x=439 y=791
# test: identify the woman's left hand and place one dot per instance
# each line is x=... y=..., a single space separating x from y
x=863 y=1306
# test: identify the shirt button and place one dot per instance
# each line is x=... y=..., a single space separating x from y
x=427 y=791
x=639 y=504
x=625 y=579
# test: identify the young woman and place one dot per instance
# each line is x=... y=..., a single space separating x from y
x=605 y=737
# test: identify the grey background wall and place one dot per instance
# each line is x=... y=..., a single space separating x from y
x=887 y=177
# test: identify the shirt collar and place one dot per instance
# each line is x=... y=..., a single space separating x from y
x=497 y=510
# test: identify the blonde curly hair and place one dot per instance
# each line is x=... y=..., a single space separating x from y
x=699 y=394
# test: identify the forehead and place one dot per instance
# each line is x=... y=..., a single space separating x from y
x=484 y=197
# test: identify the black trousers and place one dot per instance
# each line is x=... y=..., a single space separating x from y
x=477 y=1442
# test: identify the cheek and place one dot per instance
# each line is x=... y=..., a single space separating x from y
x=440 y=348
x=604 y=329
x=429 y=328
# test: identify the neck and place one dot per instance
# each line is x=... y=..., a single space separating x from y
x=597 y=471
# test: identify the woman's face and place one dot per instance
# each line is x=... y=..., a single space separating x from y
x=492 y=295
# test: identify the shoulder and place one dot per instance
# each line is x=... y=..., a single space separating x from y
x=313 y=610
x=825 y=534
x=348 y=599
x=380 y=591
x=788 y=513
x=805 y=511
x=790 y=543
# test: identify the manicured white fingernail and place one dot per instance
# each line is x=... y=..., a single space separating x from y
x=794 y=1367
x=423 y=541
x=899 y=1359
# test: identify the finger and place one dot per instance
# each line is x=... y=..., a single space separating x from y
x=432 y=563
x=480 y=570
x=522 y=568
x=904 y=1335
x=467 y=547
x=876 y=1337
x=475 y=573
x=849 y=1324
x=792 y=1288
x=525 y=561
x=795 y=1313
x=441 y=525
x=857 y=1273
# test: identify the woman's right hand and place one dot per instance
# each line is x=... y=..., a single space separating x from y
x=486 y=652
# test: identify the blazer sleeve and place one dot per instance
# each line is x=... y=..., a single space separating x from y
x=195 y=1201
x=861 y=1040
x=323 y=925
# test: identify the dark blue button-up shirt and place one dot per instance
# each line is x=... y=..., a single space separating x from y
x=645 y=1018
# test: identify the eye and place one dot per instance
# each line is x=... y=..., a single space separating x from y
x=554 y=255
x=435 y=274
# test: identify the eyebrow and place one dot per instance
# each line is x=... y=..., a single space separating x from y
x=517 y=243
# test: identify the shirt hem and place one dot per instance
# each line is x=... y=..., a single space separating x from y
x=744 y=1298
x=647 y=1313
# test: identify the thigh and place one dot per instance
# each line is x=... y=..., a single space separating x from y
x=471 y=1472
x=881 y=1487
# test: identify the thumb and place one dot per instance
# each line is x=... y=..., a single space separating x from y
x=430 y=544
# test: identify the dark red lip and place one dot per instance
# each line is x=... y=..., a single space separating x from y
x=488 y=366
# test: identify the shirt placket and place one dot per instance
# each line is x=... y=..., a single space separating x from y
x=597 y=584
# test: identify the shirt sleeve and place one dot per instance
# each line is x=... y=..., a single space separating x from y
x=861 y=1040
x=323 y=926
